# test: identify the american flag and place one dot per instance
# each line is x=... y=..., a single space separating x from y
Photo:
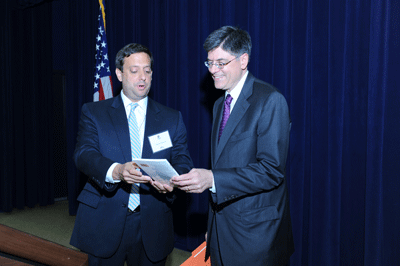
x=103 y=83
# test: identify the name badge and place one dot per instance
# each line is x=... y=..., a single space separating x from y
x=160 y=141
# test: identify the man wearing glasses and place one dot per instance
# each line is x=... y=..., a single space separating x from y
x=249 y=219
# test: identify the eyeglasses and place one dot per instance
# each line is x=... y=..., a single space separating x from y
x=220 y=65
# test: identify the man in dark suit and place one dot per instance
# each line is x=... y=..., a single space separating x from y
x=109 y=229
x=249 y=220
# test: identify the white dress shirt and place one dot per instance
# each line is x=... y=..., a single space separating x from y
x=235 y=95
x=140 y=113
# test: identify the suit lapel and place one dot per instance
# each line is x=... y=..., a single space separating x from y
x=152 y=120
x=217 y=116
x=118 y=117
x=235 y=117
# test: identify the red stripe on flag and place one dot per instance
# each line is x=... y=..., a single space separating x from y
x=103 y=88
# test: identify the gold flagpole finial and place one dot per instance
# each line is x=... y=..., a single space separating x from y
x=103 y=13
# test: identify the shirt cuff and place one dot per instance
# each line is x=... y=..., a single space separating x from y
x=213 y=189
x=109 y=178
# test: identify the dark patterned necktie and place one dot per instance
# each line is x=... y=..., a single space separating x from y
x=225 y=115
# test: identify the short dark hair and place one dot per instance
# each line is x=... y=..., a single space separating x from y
x=231 y=39
x=129 y=49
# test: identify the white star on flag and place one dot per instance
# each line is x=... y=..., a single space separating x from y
x=103 y=83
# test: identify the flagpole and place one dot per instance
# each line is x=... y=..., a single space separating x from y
x=103 y=13
x=102 y=88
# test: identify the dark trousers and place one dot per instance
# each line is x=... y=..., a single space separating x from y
x=131 y=248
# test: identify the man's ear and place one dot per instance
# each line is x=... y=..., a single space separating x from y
x=244 y=61
x=118 y=72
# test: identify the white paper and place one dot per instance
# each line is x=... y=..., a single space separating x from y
x=158 y=169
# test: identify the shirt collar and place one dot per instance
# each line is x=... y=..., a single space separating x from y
x=238 y=88
x=142 y=104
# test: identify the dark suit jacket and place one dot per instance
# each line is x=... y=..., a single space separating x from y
x=249 y=213
x=104 y=139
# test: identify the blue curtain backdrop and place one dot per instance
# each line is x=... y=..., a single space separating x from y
x=26 y=106
x=336 y=61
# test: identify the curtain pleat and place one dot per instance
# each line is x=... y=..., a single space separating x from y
x=27 y=175
x=336 y=62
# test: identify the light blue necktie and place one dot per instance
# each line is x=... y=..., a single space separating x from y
x=134 y=197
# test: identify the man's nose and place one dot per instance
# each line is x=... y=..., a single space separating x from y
x=142 y=75
x=213 y=69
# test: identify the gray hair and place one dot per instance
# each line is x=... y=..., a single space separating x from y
x=231 y=39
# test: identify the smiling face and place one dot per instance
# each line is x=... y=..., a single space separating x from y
x=136 y=76
x=230 y=75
